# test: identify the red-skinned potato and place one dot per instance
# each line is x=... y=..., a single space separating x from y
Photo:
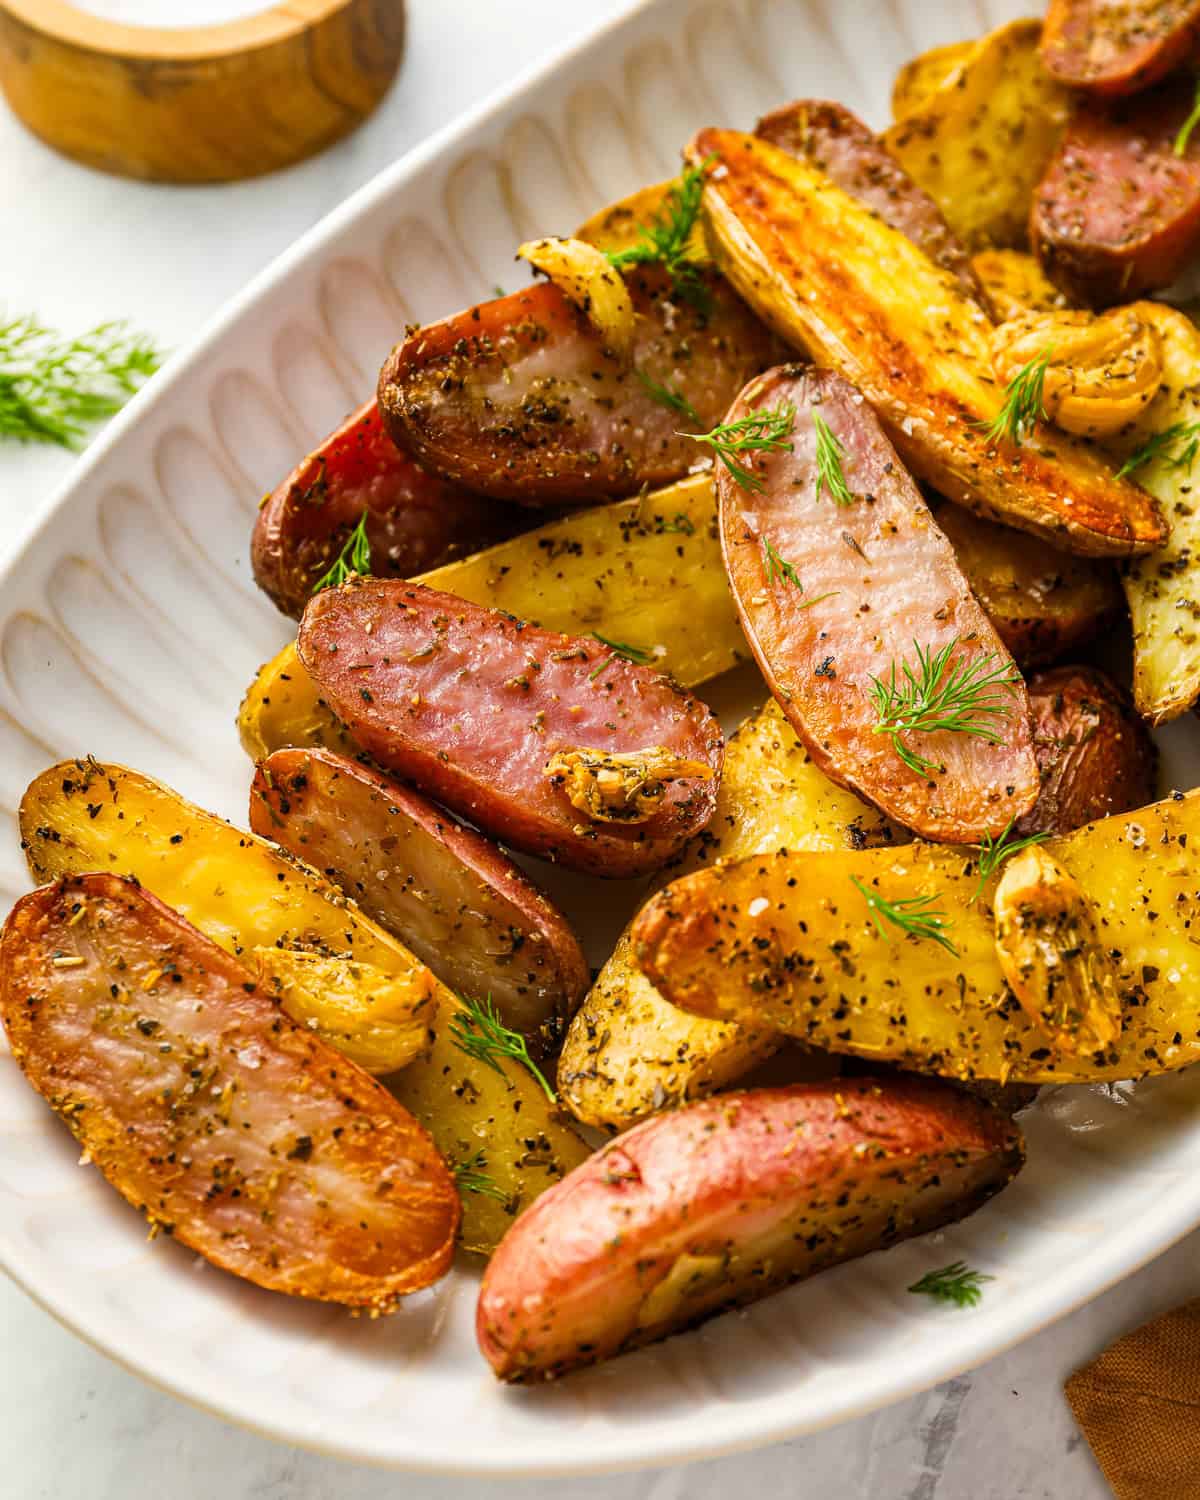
x=450 y=895
x=1094 y=753
x=834 y=593
x=553 y=743
x=415 y=521
x=1118 y=46
x=722 y=1202
x=849 y=152
x=1117 y=214
x=520 y=398
x=230 y=1127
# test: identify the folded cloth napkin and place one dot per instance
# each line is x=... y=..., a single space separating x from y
x=1138 y=1405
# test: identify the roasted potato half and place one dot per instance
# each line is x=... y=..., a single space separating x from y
x=859 y=296
x=628 y=1052
x=239 y=1133
x=980 y=142
x=454 y=897
x=891 y=955
x=922 y=76
x=1013 y=283
x=723 y=1202
x=1042 y=603
x=252 y=900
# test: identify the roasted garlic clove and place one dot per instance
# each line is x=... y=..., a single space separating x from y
x=1101 y=369
x=1051 y=954
x=585 y=277
x=620 y=788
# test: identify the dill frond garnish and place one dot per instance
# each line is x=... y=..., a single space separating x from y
x=353 y=560
x=664 y=240
x=778 y=569
x=478 y=1030
x=472 y=1178
x=676 y=401
x=1185 y=130
x=759 y=432
x=993 y=853
x=636 y=654
x=54 y=389
x=961 y=697
x=1157 y=449
x=830 y=453
x=953 y=1283
x=915 y=915
x=1023 y=401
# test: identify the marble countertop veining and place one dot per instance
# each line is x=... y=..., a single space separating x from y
x=79 y=247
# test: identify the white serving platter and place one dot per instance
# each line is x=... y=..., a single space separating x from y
x=129 y=627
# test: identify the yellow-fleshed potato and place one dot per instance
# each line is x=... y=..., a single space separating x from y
x=622 y=224
x=1014 y=283
x=628 y=1052
x=838 y=282
x=247 y=896
x=790 y=941
x=1160 y=588
x=923 y=75
x=283 y=706
x=980 y=142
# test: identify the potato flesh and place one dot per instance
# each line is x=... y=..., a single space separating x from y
x=238 y=891
x=787 y=941
x=1014 y=283
x=628 y=1051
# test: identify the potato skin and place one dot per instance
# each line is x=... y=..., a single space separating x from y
x=1117 y=213
x=415 y=521
x=820 y=645
x=720 y=1203
x=519 y=398
x=1042 y=603
x=1120 y=48
x=837 y=142
x=450 y=894
x=1095 y=755
x=284 y=1164
x=855 y=294
x=471 y=705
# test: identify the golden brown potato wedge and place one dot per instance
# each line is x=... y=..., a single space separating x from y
x=980 y=143
x=628 y=1052
x=622 y=224
x=922 y=76
x=455 y=898
x=1014 y=283
x=862 y=299
x=720 y=1203
x=246 y=896
x=1159 y=588
x=283 y=706
x=789 y=941
x=846 y=596
x=239 y=1133
x=1042 y=603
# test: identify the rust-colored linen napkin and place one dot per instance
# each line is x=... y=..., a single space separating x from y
x=1138 y=1405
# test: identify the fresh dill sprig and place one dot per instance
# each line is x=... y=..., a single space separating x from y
x=636 y=654
x=778 y=568
x=759 y=432
x=993 y=853
x=1157 y=449
x=471 y=1178
x=1185 y=130
x=354 y=558
x=953 y=1283
x=1024 y=398
x=53 y=389
x=830 y=453
x=664 y=240
x=665 y=396
x=963 y=697
x=915 y=915
x=478 y=1030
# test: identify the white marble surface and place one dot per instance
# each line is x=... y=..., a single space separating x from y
x=77 y=248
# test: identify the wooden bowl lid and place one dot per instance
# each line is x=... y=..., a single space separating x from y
x=202 y=103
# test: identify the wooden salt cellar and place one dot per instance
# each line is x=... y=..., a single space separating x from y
x=201 y=104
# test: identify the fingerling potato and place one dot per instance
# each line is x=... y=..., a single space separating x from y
x=283 y=706
x=840 y=593
x=456 y=899
x=1014 y=283
x=414 y=521
x=923 y=75
x=1118 y=46
x=837 y=281
x=237 y=1132
x=720 y=1203
x=559 y=745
